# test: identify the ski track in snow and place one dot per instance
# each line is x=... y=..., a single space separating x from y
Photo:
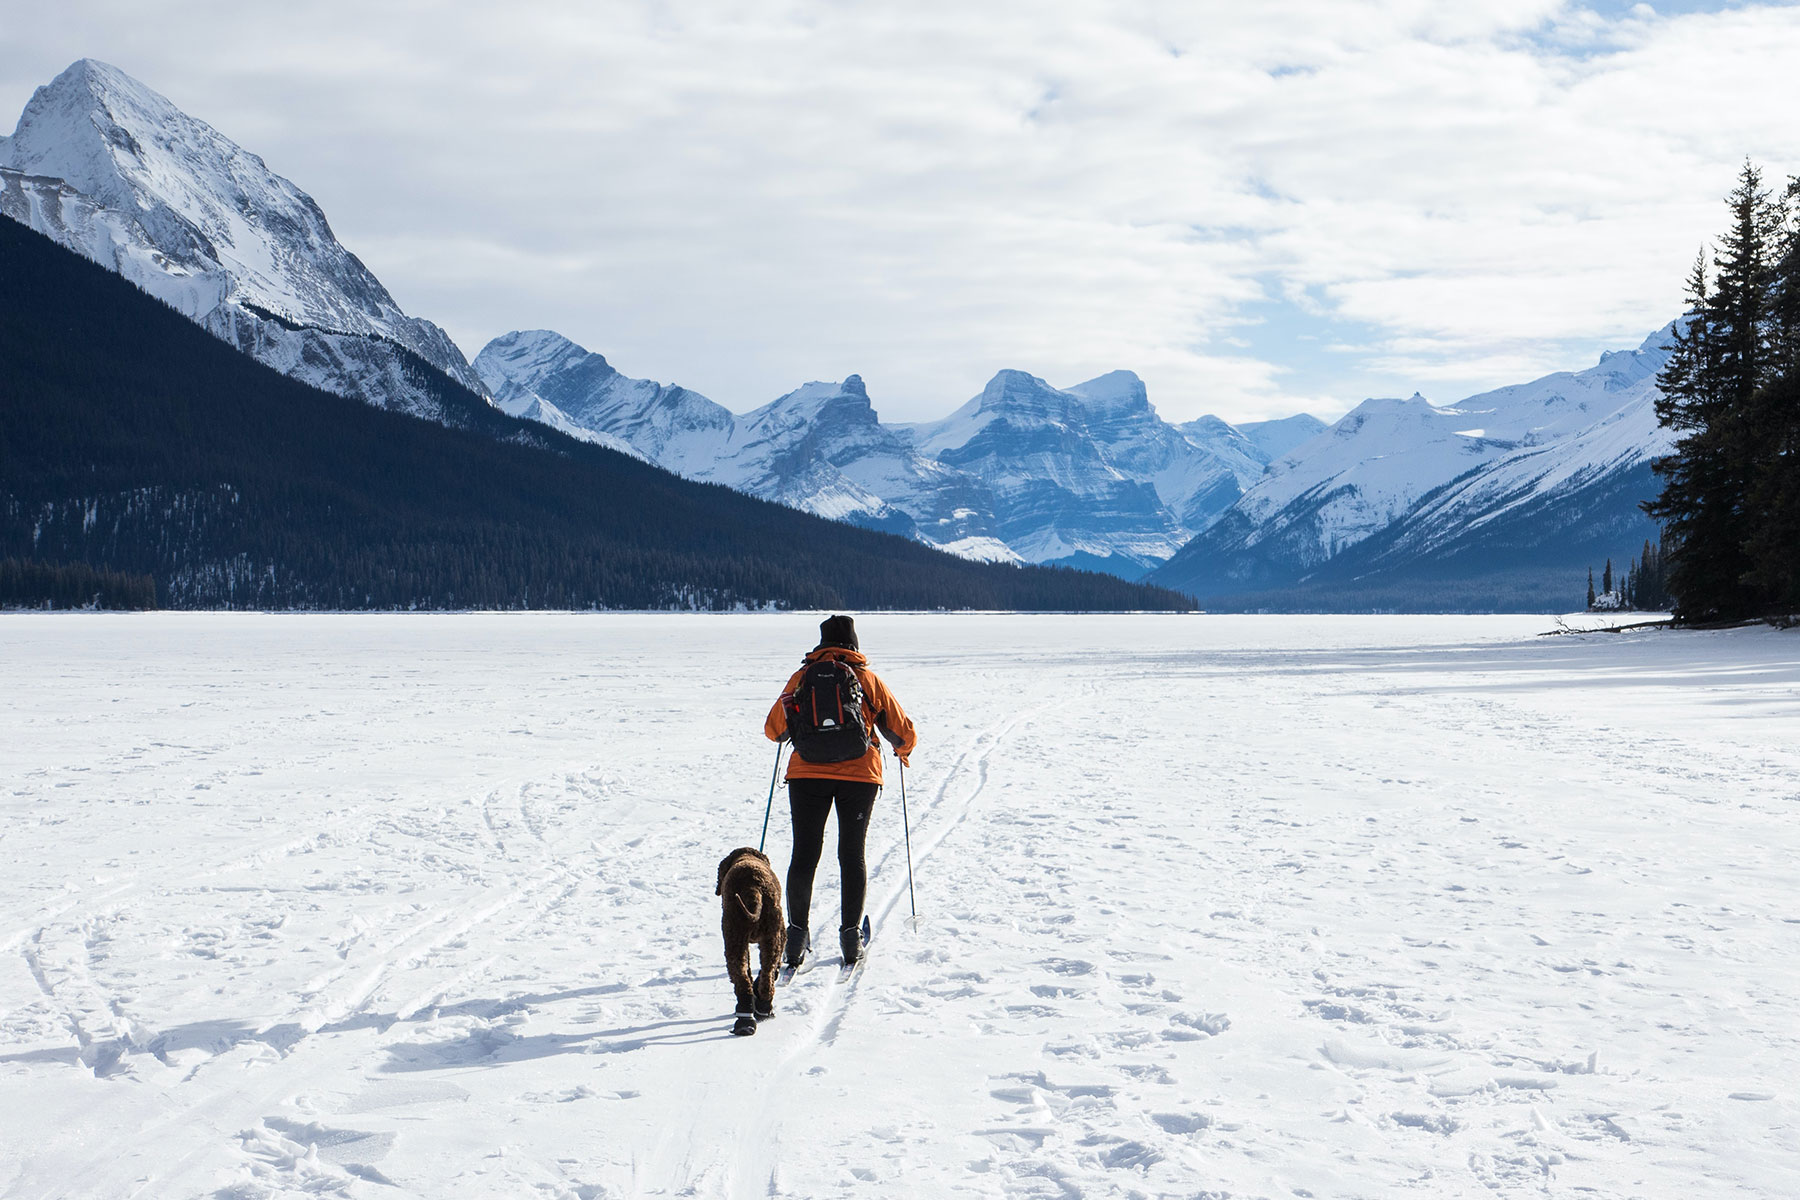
x=753 y=1154
x=416 y=906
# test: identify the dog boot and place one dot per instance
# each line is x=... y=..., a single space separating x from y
x=799 y=945
x=850 y=939
x=746 y=1024
x=765 y=1012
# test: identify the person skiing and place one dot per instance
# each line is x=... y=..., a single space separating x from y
x=831 y=709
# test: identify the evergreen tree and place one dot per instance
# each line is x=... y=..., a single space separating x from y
x=1743 y=301
x=1774 y=543
x=1773 y=434
x=1590 y=602
x=1716 y=364
x=1653 y=579
x=1606 y=579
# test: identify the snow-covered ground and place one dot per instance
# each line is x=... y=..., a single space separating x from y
x=1246 y=906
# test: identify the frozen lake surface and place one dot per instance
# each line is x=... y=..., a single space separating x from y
x=388 y=906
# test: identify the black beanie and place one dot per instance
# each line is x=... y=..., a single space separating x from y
x=838 y=631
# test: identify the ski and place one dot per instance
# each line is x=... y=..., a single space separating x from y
x=788 y=973
x=845 y=970
x=788 y=970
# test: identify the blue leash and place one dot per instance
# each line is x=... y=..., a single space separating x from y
x=771 y=807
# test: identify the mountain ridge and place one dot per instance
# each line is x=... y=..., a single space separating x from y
x=1024 y=471
x=1088 y=475
x=114 y=170
x=136 y=441
x=1451 y=480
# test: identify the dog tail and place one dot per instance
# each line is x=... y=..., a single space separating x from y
x=755 y=914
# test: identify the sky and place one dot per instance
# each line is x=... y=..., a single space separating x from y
x=1261 y=209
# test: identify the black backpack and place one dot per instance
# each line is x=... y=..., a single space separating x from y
x=825 y=713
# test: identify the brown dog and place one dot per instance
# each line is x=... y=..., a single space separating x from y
x=752 y=903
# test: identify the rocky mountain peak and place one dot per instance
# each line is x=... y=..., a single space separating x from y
x=1114 y=394
x=518 y=362
x=238 y=248
x=80 y=119
x=1021 y=397
x=128 y=148
x=822 y=414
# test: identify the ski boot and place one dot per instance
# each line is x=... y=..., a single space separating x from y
x=799 y=945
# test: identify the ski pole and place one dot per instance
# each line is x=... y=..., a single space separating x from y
x=906 y=824
x=771 y=806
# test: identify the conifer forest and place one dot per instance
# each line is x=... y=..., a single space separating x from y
x=1730 y=504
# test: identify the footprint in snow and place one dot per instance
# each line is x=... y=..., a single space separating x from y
x=1067 y=966
x=1189 y=1027
x=1182 y=1123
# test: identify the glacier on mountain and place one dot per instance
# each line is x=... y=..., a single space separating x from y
x=113 y=170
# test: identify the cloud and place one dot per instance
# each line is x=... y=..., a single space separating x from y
x=739 y=197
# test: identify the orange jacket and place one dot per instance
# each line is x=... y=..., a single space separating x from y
x=880 y=712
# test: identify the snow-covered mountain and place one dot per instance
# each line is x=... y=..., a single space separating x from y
x=1277 y=438
x=1400 y=485
x=114 y=171
x=670 y=426
x=820 y=448
x=1198 y=470
x=1089 y=475
x=1025 y=472
x=1074 y=474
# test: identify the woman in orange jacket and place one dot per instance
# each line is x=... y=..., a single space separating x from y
x=840 y=777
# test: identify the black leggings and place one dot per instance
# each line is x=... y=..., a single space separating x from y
x=810 y=801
